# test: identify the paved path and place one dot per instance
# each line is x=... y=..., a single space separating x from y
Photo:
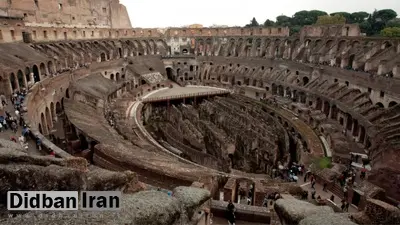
x=324 y=194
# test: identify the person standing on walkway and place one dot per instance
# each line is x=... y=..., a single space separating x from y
x=38 y=144
x=313 y=193
x=231 y=213
x=346 y=206
x=14 y=126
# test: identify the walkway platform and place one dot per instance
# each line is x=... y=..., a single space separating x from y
x=183 y=92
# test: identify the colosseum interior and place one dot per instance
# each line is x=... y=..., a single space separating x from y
x=208 y=114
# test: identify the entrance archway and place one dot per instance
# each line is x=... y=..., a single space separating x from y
x=50 y=66
x=43 y=69
x=103 y=57
x=170 y=73
x=36 y=75
x=13 y=82
x=28 y=74
x=21 y=81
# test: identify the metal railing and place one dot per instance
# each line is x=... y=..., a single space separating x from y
x=189 y=95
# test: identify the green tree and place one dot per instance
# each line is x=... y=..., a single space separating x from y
x=359 y=17
x=269 y=23
x=393 y=23
x=391 y=32
x=348 y=16
x=385 y=14
x=304 y=17
x=283 y=21
x=335 y=19
x=253 y=23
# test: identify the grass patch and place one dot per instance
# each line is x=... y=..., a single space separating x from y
x=322 y=163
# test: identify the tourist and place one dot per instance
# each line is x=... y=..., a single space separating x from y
x=21 y=140
x=13 y=139
x=25 y=132
x=265 y=202
x=5 y=125
x=345 y=193
x=53 y=153
x=312 y=183
x=38 y=144
x=346 y=206
x=14 y=126
x=343 y=206
x=231 y=213
x=313 y=192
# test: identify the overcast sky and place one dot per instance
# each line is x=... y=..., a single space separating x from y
x=176 y=13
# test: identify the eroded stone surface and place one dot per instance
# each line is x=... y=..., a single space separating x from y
x=191 y=197
x=327 y=219
x=293 y=211
x=20 y=171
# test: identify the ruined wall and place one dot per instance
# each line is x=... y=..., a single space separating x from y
x=68 y=13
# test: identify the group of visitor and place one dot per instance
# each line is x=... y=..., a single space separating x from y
x=271 y=198
x=8 y=121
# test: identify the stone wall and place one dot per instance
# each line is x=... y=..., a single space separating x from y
x=72 y=13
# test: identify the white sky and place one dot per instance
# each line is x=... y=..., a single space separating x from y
x=176 y=13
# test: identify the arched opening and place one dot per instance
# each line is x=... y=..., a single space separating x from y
x=169 y=73
x=112 y=76
x=20 y=77
x=36 y=75
x=185 y=51
x=191 y=68
x=48 y=118
x=379 y=105
x=84 y=143
x=43 y=69
x=52 y=111
x=103 y=57
x=40 y=128
x=349 y=122
x=392 y=103
x=143 y=82
x=117 y=76
x=351 y=60
x=50 y=66
x=43 y=121
x=305 y=80
x=67 y=93
x=120 y=52
x=58 y=108
x=28 y=74
x=355 y=130
x=13 y=82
